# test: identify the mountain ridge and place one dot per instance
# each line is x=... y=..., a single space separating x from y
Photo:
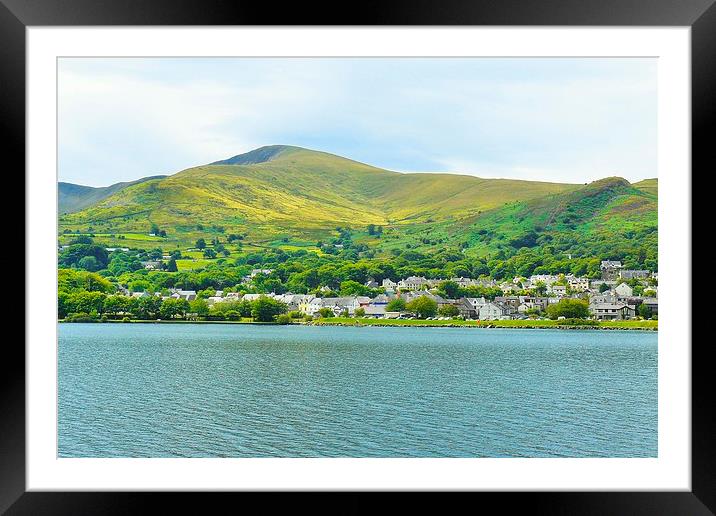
x=73 y=197
x=281 y=193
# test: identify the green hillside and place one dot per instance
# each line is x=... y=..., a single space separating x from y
x=299 y=191
x=71 y=197
x=609 y=218
x=292 y=197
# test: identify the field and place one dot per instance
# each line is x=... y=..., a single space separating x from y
x=193 y=264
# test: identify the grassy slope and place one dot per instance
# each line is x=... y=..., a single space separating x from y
x=280 y=192
x=607 y=211
x=300 y=190
x=72 y=198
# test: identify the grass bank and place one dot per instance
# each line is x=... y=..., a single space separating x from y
x=347 y=321
x=528 y=324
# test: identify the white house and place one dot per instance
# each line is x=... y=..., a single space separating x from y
x=389 y=284
x=413 y=283
x=547 y=279
x=610 y=269
x=340 y=304
x=376 y=311
x=490 y=312
x=612 y=311
x=578 y=284
x=624 y=290
x=251 y=297
x=558 y=290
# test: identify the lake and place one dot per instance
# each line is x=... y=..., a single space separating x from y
x=220 y=390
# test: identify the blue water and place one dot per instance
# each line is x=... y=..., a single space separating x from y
x=161 y=390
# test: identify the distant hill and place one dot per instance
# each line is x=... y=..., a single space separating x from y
x=609 y=218
x=290 y=194
x=300 y=188
x=72 y=197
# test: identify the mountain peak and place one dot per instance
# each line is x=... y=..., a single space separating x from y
x=260 y=155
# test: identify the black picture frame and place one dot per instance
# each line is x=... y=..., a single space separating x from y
x=700 y=15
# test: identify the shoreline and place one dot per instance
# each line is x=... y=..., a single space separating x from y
x=413 y=323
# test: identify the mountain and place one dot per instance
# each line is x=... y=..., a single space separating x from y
x=299 y=188
x=608 y=218
x=72 y=197
x=290 y=196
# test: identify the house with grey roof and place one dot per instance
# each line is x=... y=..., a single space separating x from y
x=612 y=311
x=628 y=274
x=610 y=269
x=413 y=283
x=624 y=290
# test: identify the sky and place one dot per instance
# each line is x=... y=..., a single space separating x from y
x=549 y=119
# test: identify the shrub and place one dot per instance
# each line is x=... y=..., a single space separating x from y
x=325 y=312
x=295 y=314
x=232 y=315
x=266 y=309
x=449 y=311
x=423 y=307
x=81 y=317
x=283 y=319
x=396 y=305
x=569 y=308
x=360 y=312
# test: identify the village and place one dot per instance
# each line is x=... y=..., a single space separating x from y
x=620 y=294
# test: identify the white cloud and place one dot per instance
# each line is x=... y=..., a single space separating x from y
x=565 y=120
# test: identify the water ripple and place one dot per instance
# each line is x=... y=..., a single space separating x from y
x=248 y=391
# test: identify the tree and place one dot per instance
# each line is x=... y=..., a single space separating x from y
x=81 y=239
x=115 y=305
x=172 y=265
x=154 y=229
x=82 y=302
x=199 y=307
x=450 y=288
x=371 y=229
x=360 y=312
x=449 y=311
x=395 y=305
x=89 y=263
x=325 y=312
x=540 y=289
x=422 y=307
x=603 y=287
x=244 y=308
x=172 y=308
x=209 y=253
x=200 y=244
x=352 y=288
x=569 y=308
x=644 y=311
x=232 y=315
x=148 y=307
x=265 y=309
x=69 y=280
x=74 y=253
x=140 y=285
